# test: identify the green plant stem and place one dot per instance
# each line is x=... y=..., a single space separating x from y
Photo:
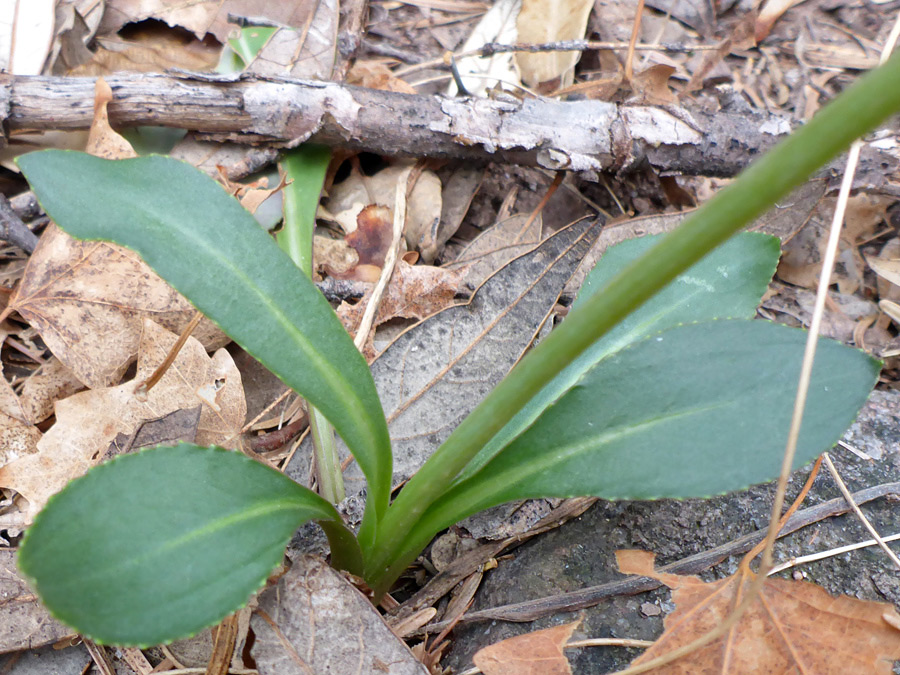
x=345 y=551
x=305 y=167
x=855 y=112
x=328 y=464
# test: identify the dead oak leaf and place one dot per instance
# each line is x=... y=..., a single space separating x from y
x=793 y=627
x=537 y=653
x=88 y=422
x=87 y=299
x=50 y=382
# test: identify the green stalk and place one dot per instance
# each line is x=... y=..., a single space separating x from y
x=855 y=112
x=305 y=167
x=345 y=551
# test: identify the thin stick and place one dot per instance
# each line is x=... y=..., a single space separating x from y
x=830 y=553
x=554 y=186
x=144 y=387
x=561 y=46
x=368 y=318
x=859 y=514
x=635 y=29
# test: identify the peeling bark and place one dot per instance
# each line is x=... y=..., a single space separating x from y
x=574 y=135
x=276 y=112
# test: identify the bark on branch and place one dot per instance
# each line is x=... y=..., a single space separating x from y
x=575 y=135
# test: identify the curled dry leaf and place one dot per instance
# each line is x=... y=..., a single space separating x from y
x=199 y=16
x=536 y=653
x=792 y=627
x=423 y=210
x=49 y=383
x=334 y=255
x=376 y=75
x=88 y=422
x=372 y=236
x=88 y=299
x=103 y=141
x=414 y=292
x=651 y=86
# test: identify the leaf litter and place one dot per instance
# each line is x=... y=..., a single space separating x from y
x=88 y=422
x=792 y=627
x=128 y=9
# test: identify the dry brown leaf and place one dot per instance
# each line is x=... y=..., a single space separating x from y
x=315 y=621
x=423 y=210
x=371 y=240
x=88 y=422
x=334 y=254
x=537 y=653
x=550 y=21
x=865 y=212
x=102 y=140
x=87 y=300
x=886 y=268
x=50 y=382
x=793 y=627
x=200 y=16
x=372 y=236
x=376 y=75
x=887 y=288
x=17 y=439
x=414 y=292
x=651 y=86
x=149 y=49
x=769 y=14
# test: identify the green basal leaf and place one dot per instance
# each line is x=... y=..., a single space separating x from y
x=697 y=410
x=727 y=283
x=156 y=546
x=211 y=250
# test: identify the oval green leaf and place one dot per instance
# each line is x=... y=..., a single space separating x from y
x=727 y=284
x=200 y=240
x=698 y=410
x=156 y=546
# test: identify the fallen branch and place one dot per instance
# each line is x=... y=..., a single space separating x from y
x=574 y=135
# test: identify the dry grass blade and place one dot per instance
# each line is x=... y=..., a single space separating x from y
x=859 y=514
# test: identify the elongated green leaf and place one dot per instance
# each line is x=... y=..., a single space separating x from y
x=156 y=546
x=727 y=284
x=201 y=241
x=698 y=410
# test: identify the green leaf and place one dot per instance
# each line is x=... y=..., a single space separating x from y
x=156 y=546
x=698 y=410
x=727 y=284
x=200 y=240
